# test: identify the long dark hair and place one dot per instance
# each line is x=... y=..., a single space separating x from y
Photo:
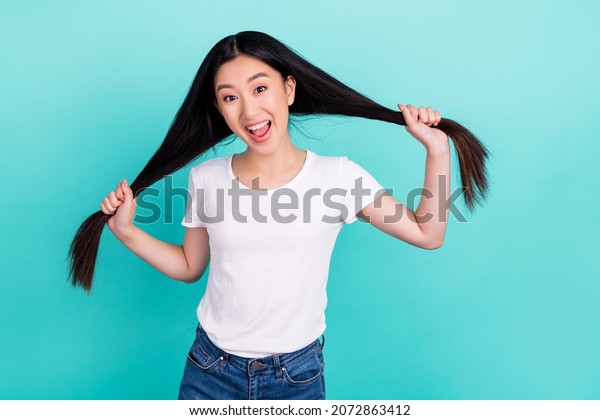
x=198 y=126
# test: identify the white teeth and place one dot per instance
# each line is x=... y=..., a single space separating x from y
x=257 y=126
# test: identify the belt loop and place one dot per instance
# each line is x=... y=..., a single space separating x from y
x=277 y=366
x=323 y=342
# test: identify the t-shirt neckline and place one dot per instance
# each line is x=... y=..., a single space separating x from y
x=290 y=183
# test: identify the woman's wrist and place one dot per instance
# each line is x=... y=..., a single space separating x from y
x=438 y=148
x=123 y=234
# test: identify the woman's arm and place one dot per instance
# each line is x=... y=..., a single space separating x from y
x=185 y=262
x=426 y=226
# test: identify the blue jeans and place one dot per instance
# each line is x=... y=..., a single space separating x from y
x=212 y=374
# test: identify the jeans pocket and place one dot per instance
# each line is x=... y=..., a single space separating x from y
x=200 y=355
x=304 y=370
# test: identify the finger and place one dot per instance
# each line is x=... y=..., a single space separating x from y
x=104 y=210
x=413 y=111
x=108 y=206
x=423 y=117
x=408 y=118
x=119 y=192
x=438 y=117
x=113 y=200
x=430 y=116
x=127 y=192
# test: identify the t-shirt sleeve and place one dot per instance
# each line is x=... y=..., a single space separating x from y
x=194 y=200
x=362 y=188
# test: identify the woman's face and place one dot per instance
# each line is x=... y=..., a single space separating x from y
x=254 y=99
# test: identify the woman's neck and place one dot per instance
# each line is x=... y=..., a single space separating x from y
x=272 y=170
x=285 y=156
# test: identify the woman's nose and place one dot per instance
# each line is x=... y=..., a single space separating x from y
x=249 y=109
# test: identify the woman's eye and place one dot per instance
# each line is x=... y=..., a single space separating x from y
x=260 y=89
x=226 y=99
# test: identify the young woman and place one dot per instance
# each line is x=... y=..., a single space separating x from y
x=267 y=218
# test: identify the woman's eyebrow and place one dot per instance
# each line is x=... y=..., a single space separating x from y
x=256 y=76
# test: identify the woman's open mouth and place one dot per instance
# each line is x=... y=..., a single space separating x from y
x=260 y=132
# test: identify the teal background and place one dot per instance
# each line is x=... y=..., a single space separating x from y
x=506 y=309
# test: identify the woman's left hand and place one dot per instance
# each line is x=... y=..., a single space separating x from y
x=420 y=124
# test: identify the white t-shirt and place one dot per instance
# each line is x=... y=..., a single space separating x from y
x=270 y=250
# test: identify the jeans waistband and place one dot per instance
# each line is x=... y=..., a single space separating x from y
x=263 y=364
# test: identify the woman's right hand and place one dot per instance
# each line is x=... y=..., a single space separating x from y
x=121 y=204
